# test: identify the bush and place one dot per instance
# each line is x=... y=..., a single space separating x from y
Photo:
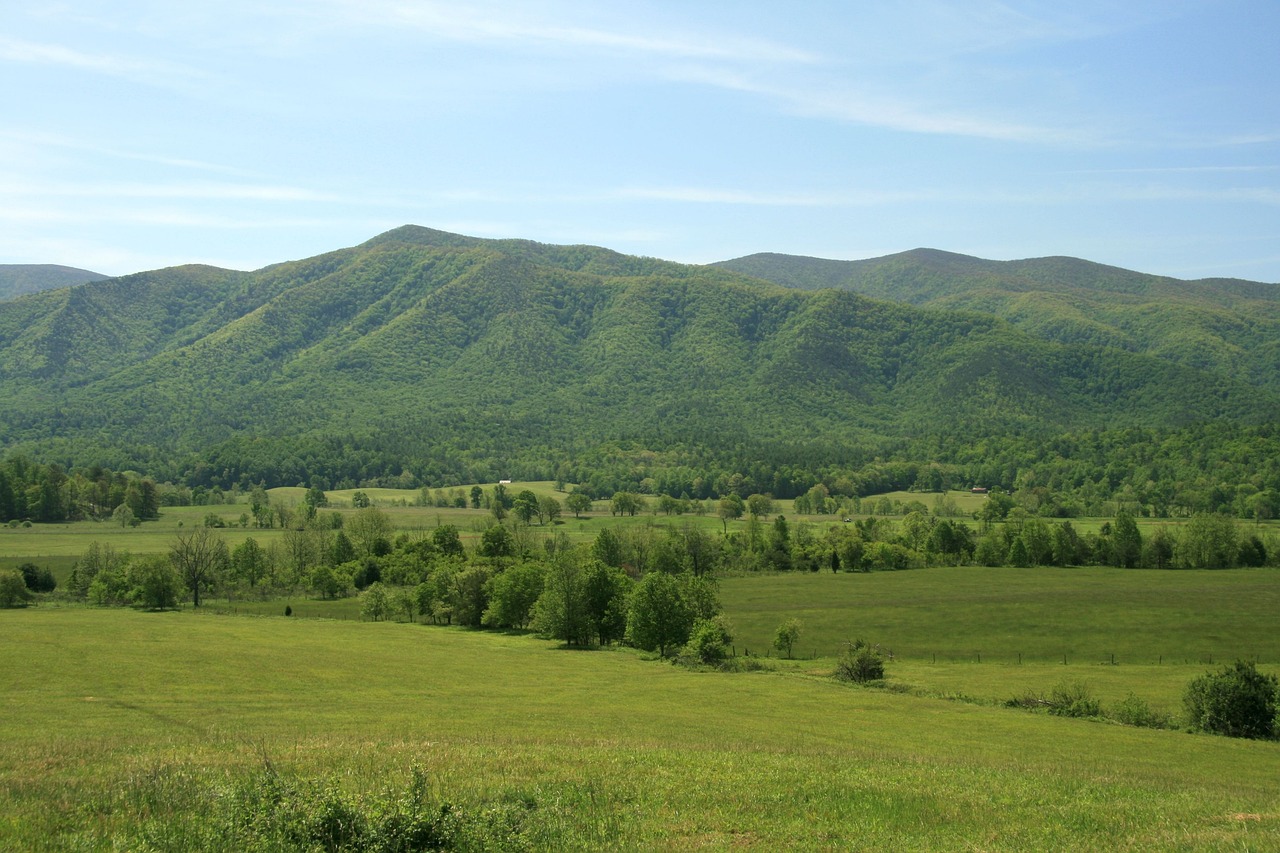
x=1132 y=711
x=1074 y=699
x=1068 y=699
x=13 y=589
x=860 y=663
x=1237 y=701
x=711 y=641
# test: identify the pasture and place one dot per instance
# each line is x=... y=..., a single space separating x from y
x=120 y=728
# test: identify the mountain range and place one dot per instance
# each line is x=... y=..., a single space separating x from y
x=436 y=358
x=17 y=279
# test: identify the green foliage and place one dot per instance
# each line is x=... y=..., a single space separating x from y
x=1236 y=701
x=513 y=594
x=787 y=635
x=710 y=641
x=1133 y=711
x=375 y=603
x=156 y=584
x=13 y=590
x=859 y=662
x=659 y=617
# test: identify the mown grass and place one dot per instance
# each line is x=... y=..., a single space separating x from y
x=1007 y=615
x=116 y=721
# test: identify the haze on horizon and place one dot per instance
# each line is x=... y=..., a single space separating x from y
x=1145 y=135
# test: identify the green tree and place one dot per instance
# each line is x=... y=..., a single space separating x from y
x=606 y=590
x=447 y=540
x=477 y=497
x=369 y=530
x=759 y=505
x=1126 y=541
x=155 y=584
x=548 y=509
x=626 y=503
x=525 y=506
x=1237 y=701
x=561 y=612
x=729 y=508
x=248 y=562
x=496 y=542
x=1208 y=542
x=787 y=635
x=375 y=603
x=200 y=559
x=13 y=591
x=577 y=503
x=658 y=618
x=513 y=594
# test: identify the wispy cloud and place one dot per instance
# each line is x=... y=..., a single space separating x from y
x=512 y=23
x=195 y=191
x=16 y=50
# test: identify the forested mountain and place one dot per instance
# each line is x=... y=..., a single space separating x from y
x=17 y=279
x=422 y=357
x=1223 y=325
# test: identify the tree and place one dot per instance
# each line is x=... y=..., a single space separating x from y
x=626 y=503
x=1126 y=541
x=561 y=612
x=200 y=558
x=577 y=503
x=525 y=506
x=447 y=540
x=787 y=635
x=658 y=618
x=730 y=507
x=513 y=594
x=1237 y=701
x=369 y=530
x=13 y=591
x=375 y=604
x=548 y=509
x=759 y=505
x=155 y=584
x=249 y=562
x=37 y=579
x=496 y=542
x=1209 y=542
x=477 y=497
x=124 y=516
x=606 y=589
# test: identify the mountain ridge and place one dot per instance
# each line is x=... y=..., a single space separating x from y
x=456 y=358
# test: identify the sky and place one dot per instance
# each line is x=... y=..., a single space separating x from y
x=136 y=135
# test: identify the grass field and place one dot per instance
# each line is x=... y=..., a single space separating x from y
x=116 y=724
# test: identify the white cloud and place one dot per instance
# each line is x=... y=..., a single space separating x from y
x=16 y=50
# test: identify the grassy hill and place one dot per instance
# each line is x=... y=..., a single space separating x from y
x=17 y=279
x=457 y=358
x=177 y=730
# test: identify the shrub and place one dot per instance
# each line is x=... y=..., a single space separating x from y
x=859 y=662
x=13 y=589
x=1132 y=711
x=1237 y=701
x=711 y=641
x=1074 y=699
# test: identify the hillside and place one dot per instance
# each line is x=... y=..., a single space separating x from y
x=454 y=359
x=17 y=279
x=1223 y=325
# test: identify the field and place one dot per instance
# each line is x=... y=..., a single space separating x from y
x=129 y=730
x=116 y=725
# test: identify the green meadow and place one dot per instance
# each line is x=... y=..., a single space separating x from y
x=129 y=730
x=122 y=728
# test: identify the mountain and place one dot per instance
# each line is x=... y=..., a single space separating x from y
x=436 y=358
x=1227 y=326
x=17 y=279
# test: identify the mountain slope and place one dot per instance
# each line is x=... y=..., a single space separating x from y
x=1223 y=325
x=455 y=358
x=19 y=279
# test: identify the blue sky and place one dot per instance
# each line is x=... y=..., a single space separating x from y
x=136 y=135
